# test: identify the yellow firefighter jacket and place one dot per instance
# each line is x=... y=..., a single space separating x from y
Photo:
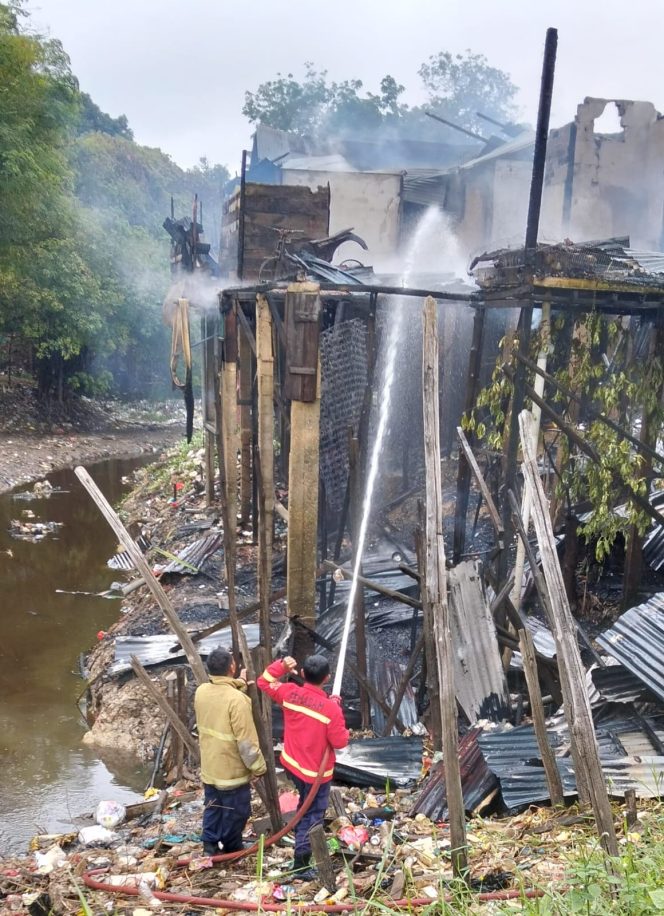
x=230 y=753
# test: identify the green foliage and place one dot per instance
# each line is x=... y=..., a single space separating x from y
x=314 y=106
x=626 y=390
x=457 y=86
x=460 y=85
x=83 y=256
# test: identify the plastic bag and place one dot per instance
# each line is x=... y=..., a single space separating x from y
x=109 y=814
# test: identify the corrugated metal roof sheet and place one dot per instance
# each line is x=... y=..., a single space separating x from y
x=477 y=781
x=643 y=774
x=618 y=685
x=193 y=555
x=386 y=676
x=374 y=761
x=154 y=650
x=506 y=748
x=526 y=785
x=637 y=641
x=479 y=679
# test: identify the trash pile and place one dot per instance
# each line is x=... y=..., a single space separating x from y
x=379 y=849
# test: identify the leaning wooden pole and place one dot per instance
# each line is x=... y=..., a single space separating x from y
x=435 y=586
x=577 y=710
x=228 y=489
x=138 y=560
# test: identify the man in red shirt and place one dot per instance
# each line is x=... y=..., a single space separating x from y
x=314 y=727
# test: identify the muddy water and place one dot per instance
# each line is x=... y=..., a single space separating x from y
x=46 y=775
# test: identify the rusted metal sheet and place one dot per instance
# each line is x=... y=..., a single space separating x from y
x=477 y=781
x=479 y=678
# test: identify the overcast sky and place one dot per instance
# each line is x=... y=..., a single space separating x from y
x=179 y=68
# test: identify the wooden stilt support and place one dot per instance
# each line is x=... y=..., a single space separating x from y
x=577 y=706
x=434 y=587
x=138 y=560
x=322 y=857
x=463 y=470
x=553 y=779
x=228 y=488
x=265 y=373
x=245 y=360
x=302 y=386
x=229 y=424
x=430 y=683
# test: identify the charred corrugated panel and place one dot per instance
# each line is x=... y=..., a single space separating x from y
x=156 y=650
x=618 y=685
x=190 y=560
x=386 y=675
x=526 y=785
x=637 y=641
x=375 y=761
x=623 y=732
x=543 y=639
x=505 y=749
x=477 y=781
x=479 y=678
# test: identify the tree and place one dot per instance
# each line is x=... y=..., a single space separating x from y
x=460 y=85
x=316 y=107
x=93 y=120
x=83 y=256
x=457 y=87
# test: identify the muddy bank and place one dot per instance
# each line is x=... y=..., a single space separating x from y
x=25 y=458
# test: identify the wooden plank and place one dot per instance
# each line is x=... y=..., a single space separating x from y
x=322 y=857
x=138 y=560
x=486 y=493
x=553 y=780
x=434 y=586
x=577 y=708
x=265 y=372
x=302 y=325
x=303 y=481
x=244 y=356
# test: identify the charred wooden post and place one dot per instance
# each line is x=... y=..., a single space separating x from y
x=525 y=321
x=430 y=682
x=265 y=374
x=463 y=471
x=322 y=857
x=173 y=701
x=302 y=388
x=577 y=705
x=434 y=586
x=553 y=779
x=245 y=403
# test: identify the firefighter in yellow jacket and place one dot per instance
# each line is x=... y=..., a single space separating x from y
x=230 y=753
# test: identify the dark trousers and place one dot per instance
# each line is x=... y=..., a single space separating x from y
x=225 y=815
x=314 y=815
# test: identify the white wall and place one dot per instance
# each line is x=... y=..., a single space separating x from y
x=368 y=202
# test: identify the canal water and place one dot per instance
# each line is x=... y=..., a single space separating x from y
x=48 y=775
